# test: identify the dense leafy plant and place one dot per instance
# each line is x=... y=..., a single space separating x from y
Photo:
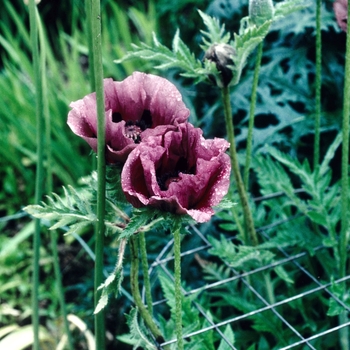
x=297 y=206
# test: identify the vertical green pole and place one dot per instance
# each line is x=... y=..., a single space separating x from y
x=343 y=242
x=318 y=84
x=177 y=287
x=49 y=183
x=39 y=167
x=250 y=233
x=101 y=166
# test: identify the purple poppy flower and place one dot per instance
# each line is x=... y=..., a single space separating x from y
x=137 y=107
x=178 y=172
x=341 y=13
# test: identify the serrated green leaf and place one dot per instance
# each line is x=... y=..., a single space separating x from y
x=226 y=204
x=228 y=333
x=216 y=33
x=244 y=44
x=330 y=155
x=228 y=227
x=339 y=291
x=238 y=256
x=180 y=57
x=318 y=218
x=287 y=7
x=282 y=273
x=137 y=333
x=138 y=219
x=73 y=210
x=102 y=303
x=112 y=284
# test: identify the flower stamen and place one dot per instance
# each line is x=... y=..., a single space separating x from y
x=133 y=131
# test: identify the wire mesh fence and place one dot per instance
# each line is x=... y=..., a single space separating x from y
x=313 y=287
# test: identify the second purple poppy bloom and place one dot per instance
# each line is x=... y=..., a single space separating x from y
x=178 y=172
x=137 y=107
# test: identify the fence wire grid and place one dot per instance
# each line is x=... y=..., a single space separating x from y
x=303 y=341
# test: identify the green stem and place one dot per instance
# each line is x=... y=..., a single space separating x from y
x=177 y=287
x=250 y=233
x=39 y=167
x=345 y=159
x=59 y=287
x=134 y=283
x=90 y=44
x=318 y=85
x=251 y=116
x=101 y=167
x=49 y=185
x=146 y=279
x=343 y=242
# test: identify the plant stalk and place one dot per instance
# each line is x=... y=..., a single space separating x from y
x=146 y=279
x=49 y=184
x=134 y=283
x=177 y=287
x=250 y=233
x=318 y=85
x=101 y=167
x=90 y=44
x=39 y=180
x=343 y=242
x=251 y=116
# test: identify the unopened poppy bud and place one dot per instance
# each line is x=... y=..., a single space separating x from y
x=221 y=55
x=260 y=11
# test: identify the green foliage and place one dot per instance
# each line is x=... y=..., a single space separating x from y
x=75 y=211
x=179 y=57
x=300 y=210
x=228 y=333
x=216 y=33
x=248 y=39
x=239 y=256
x=287 y=7
x=137 y=335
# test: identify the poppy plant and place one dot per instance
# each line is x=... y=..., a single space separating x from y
x=179 y=172
x=137 y=107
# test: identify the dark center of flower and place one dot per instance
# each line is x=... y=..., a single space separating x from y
x=146 y=119
x=166 y=178
x=116 y=117
x=133 y=129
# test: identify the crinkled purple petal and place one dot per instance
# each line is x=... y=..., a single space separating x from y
x=129 y=100
x=193 y=191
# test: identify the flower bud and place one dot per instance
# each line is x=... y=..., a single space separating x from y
x=221 y=55
x=260 y=11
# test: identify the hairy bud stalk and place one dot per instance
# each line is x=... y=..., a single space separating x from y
x=260 y=11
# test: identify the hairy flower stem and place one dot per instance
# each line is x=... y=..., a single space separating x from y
x=49 y=184
x=177 y=287
x=251 y=116
x=250 y=233
x=134 y=283
x=146 y=279
x=101 y=167
x=318 y=84
x=90 y=44
x=343 y=242
x=39 y=167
